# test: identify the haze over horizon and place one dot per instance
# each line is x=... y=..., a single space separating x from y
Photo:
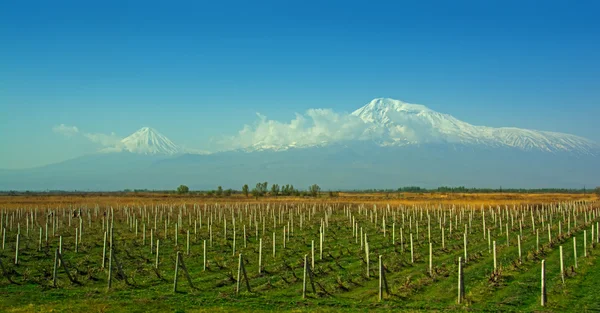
x=79 y=77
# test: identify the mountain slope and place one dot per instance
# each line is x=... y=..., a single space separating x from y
x=359 y=165
x=400 y=123
x=149 y=141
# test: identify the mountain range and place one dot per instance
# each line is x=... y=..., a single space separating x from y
x=385 y=144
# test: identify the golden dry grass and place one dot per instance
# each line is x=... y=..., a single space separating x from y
x=474 y=199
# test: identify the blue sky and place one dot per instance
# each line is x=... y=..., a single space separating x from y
x=196 y=70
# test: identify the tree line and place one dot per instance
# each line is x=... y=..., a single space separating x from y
x=261 y=190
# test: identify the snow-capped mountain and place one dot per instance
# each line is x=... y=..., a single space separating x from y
x=149 y=141
x=401 y=123
x=388 y=122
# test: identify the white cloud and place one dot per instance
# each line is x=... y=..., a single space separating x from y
x=103 y=139
x=65 y=130
x=316 y=126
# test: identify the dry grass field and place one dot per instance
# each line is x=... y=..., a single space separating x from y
x=475 y=199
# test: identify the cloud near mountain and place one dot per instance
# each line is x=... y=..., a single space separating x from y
x=389 y=122
x=104 y=140
x=315 y=127
x=65 y=130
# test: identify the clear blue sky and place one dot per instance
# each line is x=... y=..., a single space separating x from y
x=195 y=70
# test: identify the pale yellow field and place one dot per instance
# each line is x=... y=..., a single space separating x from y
x=474 y=199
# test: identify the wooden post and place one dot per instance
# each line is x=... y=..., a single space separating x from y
x=260 y=255
x=465 y=240
x=55 y=271
x=367 y=257
x=157 y=249
x=321 y=246
x=273 y=245
x=394 y=235
x=461 y=282
x=519 y=245
x=239 y=275
x=412 y=255
x=204 y=256
x=585 y=243
x=575 y=251
x=104 y=251
x=537 y=240
x=430 y=258
x=40 y=241
x=304 y=276
x=59 y=248
x=543 y=281
x=188 y=243
x=562 y=265
x=443 y=239
x=380 y=278
x=176 y=271
x=76 y=239
x=559 y=229
x=495 y=261
x=17 y=250
x=245 y=274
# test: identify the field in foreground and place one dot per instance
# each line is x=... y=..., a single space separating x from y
x=281 y=234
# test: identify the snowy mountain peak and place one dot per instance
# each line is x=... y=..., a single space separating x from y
x=395 y=105
x=149 y=141
x=401 y=123
x=386 y=110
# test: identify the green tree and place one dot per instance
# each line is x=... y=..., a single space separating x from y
x=245 y=190
x=219 y=191
x=261 y=188
x=275 y=190
x=284 y=190
x=183 y=189
x=255 y=192
x=287 y=190
x=314 y=190
x=228 y=192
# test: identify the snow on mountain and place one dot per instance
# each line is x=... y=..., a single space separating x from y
x=149 y=141
x=401 y=123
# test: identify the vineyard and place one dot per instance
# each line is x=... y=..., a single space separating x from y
x=326 y=256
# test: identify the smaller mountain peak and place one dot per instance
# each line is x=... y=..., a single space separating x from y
x=146 y=129
x=147 y=140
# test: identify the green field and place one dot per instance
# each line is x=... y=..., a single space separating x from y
x=340 y=275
